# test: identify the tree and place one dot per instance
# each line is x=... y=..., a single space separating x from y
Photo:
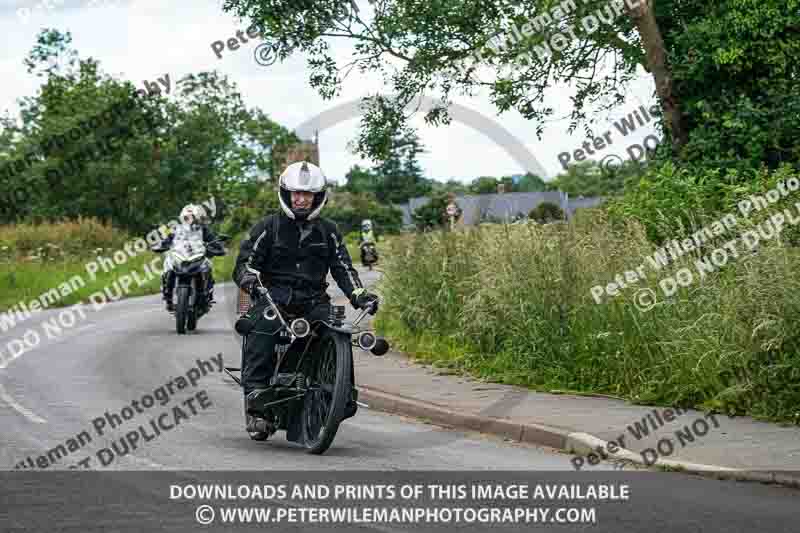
x=455 y=187
x=360 y=180
x=432 y=214
x=531 y=183
x=348 y=210
x=483 y=185
x=588 y=178
x=87 y=146
x=399 y=176
x=694 y=50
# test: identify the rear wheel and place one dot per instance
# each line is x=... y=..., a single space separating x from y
x=182 y=310
x=329 y=391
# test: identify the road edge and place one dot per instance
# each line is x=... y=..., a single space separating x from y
x=573 y=442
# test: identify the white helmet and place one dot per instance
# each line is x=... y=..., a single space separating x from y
x=187 y=214
x=200 y=214
x=193 y=214
x=302 y=176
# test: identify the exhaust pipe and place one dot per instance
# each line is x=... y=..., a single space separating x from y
x=380 y=347
x=369 y=342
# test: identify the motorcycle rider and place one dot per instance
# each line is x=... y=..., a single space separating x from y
x=194 y=223
x=367 y=237
x=291 y=252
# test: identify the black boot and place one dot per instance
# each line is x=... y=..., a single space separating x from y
x=169 y=303
x=258 y=428
x=167 y=288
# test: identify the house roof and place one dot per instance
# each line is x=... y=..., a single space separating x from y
x=502 y=206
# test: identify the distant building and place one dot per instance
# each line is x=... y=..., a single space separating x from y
x=502 y=207
x=305 y=150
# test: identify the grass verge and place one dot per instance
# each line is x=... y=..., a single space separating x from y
x=513 y=304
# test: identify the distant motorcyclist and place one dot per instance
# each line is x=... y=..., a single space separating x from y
x=194 y=222
x=369 y=255
x=367 y=233
x=291 y=253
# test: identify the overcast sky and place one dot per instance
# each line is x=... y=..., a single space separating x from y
x=142 y=40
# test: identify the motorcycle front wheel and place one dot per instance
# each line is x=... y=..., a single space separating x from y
x=330 y=389
x=191 y=314
x=182 y=310
x=191 y=320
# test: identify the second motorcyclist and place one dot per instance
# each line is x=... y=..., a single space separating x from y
x=193 y=225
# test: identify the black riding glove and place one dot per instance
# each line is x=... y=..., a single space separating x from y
x=361 y=299
x=249 y=282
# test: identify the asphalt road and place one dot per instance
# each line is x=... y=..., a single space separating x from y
x=56 y=392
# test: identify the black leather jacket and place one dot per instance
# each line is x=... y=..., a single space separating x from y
x=292 y=269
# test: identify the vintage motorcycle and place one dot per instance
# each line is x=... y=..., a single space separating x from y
x=312 y=389
x=188 y=258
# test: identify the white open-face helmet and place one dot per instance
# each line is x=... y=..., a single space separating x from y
x=307 y=177
x=366 y=225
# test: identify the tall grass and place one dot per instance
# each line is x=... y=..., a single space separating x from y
x=53 y=241
x=513 y=304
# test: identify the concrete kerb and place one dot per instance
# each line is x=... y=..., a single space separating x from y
x=574 y=442
x=530 y=433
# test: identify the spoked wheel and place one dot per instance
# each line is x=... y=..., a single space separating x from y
x=328 y=393
x=182 y=310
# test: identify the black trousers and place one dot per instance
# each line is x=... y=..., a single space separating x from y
x=258 y=348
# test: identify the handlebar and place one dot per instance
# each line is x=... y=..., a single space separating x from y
x=276 y=313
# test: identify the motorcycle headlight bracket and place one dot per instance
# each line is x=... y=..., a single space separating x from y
x=300 y=328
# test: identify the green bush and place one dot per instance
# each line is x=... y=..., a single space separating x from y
x=672 y=202
x=246 y=215
x=53 y=241
x=546 y=212
x=431 y=215
x=348 y=210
